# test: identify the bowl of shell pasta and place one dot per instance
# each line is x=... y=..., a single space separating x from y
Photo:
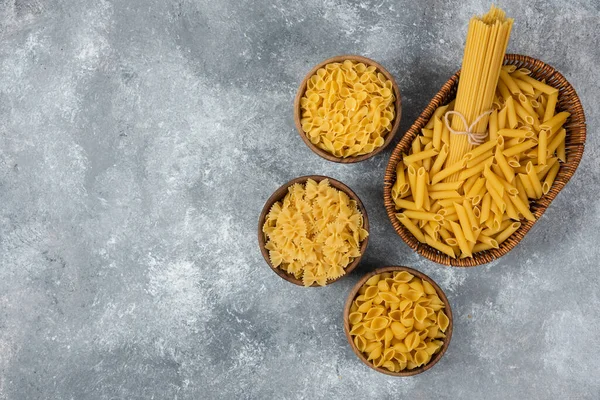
x=348 y=109
x=398 y=321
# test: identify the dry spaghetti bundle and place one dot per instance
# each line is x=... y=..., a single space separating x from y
x=487 y=39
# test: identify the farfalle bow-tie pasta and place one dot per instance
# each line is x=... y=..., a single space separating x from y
x=314 y=233
x=348 y=109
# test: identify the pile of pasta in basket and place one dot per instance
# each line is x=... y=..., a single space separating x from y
x=496 y=180
x=465 y=188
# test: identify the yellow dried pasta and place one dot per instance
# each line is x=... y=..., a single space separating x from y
x=401 y=325
x=497 y=179
x=347 y=108
x=314 y=233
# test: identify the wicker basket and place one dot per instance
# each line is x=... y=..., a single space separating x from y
x=575 y=141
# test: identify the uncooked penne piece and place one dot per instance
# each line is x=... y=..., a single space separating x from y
x=509 y=82
x=550 y=107
x=438 y=187
x=439 y=161
x=511 y=113
x=446 y=172
x=437 y=133
x=493 y=126
x=469 y=172
x=539 y=85
x=542 y=147
x=420 y=156
x=496 y=197
x=436 y=244
x=522 y=207
x=460 y=238
x=502 y=118
x=485 y=207
x=404 y=220
x=516 y=133
x=424 y=215
x=420 y=188
x=505 y=234
x=549 y=180
x=554 y=123
x=406 y=204
x=520 y=148
x=465 y=222
x=526 y=182
x=444 y=194
x=533 y=178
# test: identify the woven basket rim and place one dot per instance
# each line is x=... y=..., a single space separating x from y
x=575 y=143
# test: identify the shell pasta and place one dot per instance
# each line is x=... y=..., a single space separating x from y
x=398 y=321
x=348 y=109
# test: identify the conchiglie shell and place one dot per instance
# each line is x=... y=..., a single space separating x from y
x=393 y=306
x=358 y=329
x=373 y=280
x=363 y=308
x=379 y=323
x=374 y=351
x=443 y=321
x=432 y=348
x=388 y=354
x=360 y=343
x=398 y=330
x=411 y=365
x=400 y=347
x=380 y=335
x=374 y=312
x=403 y=276
x=371 y=291
x=379 y=362
x=353 y=307
x=389 y=297
x=420 y=326
x=390 y=365
x=401 y=366
x=412 y=340
x=423 y=335
x=417 y=285
x=412 y=295
x=400 y=357
x=383 y=286
x=402 y=288
x=395 y=315
x=377 y=299
x=408 y=322
x=421 y=357
x=420 y=313
x=387 y=338
x=432 y=331
x=369 y=334
x=405 y=304
x=355 y=317
x=428 y=288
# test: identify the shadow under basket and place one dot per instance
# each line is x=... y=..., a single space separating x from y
x=574 y=143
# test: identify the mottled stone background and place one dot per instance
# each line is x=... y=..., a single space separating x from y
x=139 y=141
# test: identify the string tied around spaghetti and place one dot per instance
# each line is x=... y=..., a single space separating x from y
x=474 y=137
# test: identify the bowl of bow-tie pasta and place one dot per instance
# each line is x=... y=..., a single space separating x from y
x=313 y=231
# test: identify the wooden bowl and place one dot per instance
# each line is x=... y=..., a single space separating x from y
x=395 y=123
x=447 y=310
x=575 y=143
x=280 y=194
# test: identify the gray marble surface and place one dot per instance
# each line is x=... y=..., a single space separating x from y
x=139 y=141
